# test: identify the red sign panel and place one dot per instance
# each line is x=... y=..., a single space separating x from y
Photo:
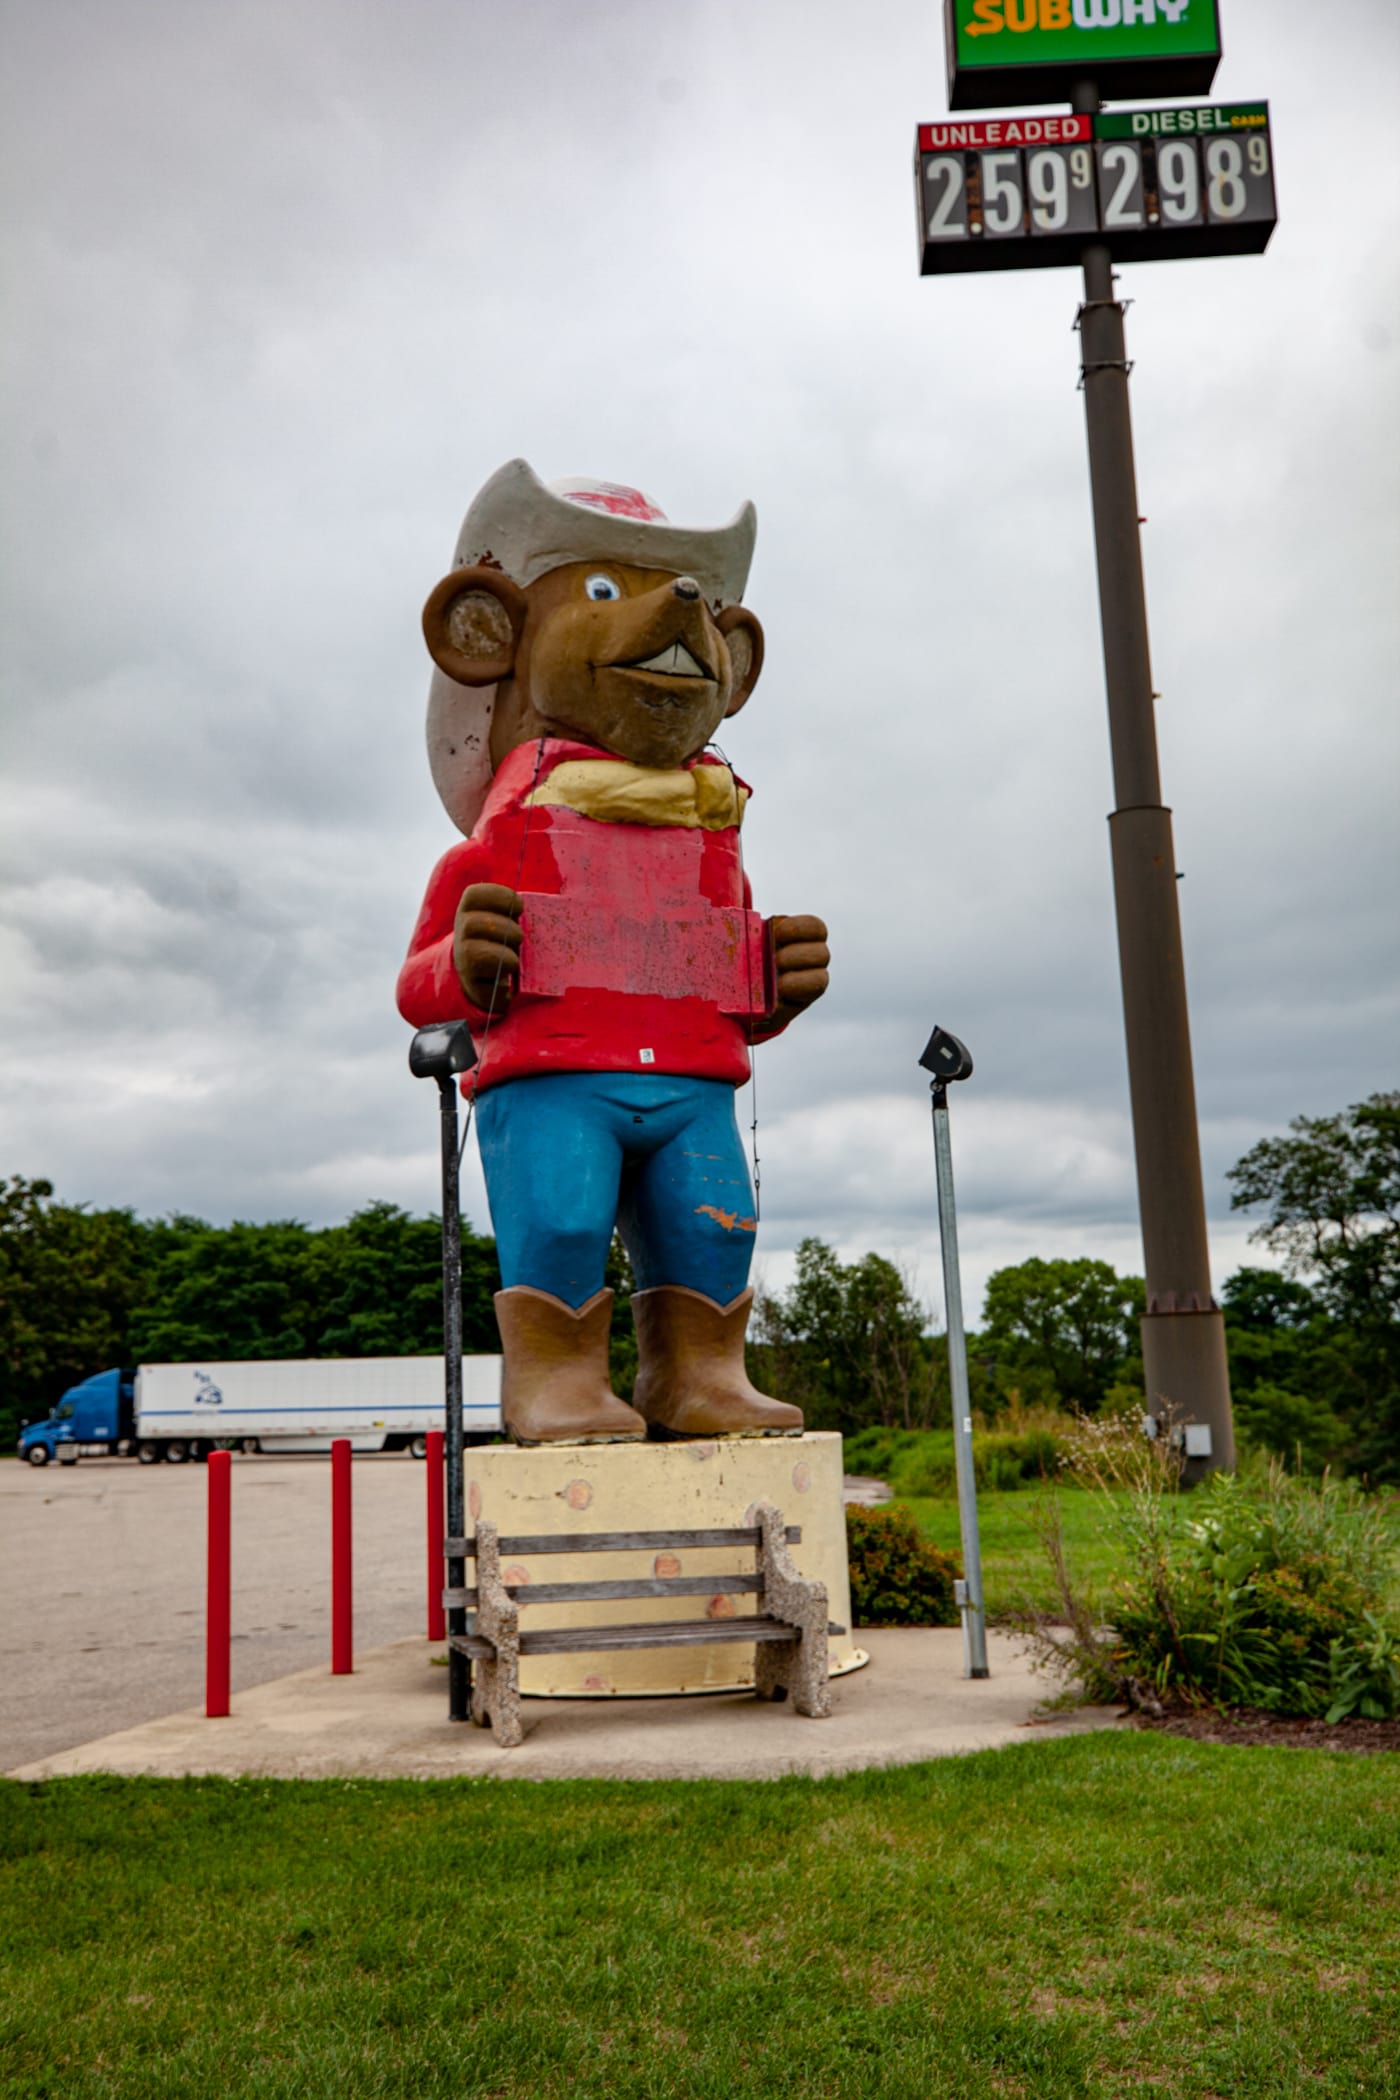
x=704 y=953
x=955 y=133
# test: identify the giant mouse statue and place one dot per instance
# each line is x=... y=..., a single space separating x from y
x=595 y=931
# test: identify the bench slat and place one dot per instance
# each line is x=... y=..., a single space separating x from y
x=678 y=1633
x=618 y=1541
x=675 y=1633
x=643 y=1586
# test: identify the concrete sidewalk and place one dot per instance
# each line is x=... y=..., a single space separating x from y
x=388 y=1721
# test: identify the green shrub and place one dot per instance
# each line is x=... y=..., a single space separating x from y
x=877 y=1452
x=897 y=1577
x=922 y=1462
x=1366 y=1672
x=1272 y=1598
x=928 y=1468
x=1263 y=1588
x=1013 y=1459
x=1299 y=1430
x=997 y=1471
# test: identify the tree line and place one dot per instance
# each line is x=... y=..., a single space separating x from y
x=1314 y=1345
x=81 y=1290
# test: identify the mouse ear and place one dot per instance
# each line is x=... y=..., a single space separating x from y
x=744 y=639
x=472 y=624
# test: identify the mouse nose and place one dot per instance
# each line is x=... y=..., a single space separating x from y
x=686 y=587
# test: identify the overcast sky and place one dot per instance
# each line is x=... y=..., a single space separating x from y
x=287 y=282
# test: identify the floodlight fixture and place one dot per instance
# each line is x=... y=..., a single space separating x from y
x=946 y=1057
x=442 y=1051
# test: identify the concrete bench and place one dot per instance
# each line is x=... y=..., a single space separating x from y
x=789 y=1630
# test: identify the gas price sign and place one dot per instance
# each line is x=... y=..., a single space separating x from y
x=1027 y=193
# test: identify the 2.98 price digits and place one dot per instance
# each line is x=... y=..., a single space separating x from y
x=1181 y=182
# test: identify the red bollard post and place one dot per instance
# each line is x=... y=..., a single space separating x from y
x=437 y=1619
x=342 y=1593
x=218 y=1594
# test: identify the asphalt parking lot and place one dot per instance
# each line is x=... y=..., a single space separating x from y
x=102 y=1566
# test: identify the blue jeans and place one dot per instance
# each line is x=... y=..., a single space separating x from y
x=570 y=1155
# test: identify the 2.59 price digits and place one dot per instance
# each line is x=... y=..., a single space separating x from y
x=1000 y=194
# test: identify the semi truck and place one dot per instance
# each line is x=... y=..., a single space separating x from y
x=175 y=1412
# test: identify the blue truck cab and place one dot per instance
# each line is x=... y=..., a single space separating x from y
x=95 y=1416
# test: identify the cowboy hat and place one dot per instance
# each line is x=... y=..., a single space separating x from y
x=526 y=527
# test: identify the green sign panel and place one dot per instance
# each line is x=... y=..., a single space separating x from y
x=1181 y=123
x=1033 y=50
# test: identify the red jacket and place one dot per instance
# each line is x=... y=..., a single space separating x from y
x=639 y=954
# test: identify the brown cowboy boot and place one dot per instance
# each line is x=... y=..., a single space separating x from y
x=554 y=1383
x=691 y=1379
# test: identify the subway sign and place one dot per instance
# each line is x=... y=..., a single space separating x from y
x=1154 y=185
x=1034 y=50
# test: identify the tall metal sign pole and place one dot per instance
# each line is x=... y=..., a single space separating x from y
x=1089 y=188
x=1183 y=1331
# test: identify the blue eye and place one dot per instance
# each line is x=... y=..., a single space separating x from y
x=601 y=586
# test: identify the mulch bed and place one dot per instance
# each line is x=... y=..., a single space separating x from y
x=1248 y=1727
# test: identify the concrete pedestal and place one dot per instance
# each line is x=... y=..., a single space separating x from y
x=661 y=1487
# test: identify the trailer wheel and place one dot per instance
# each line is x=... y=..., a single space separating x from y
x=418 y=1447
x=250 y=1447
x=176 y=1452
x=148 y=1454
x=38 y=1454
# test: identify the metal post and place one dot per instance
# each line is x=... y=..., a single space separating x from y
x=1183 y=1333
x=342 y=1565
x=459 y=1682
x=433 y=1470
x=218 y=1627
x=974 y=1616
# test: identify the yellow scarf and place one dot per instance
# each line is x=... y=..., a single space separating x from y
x=706 y=798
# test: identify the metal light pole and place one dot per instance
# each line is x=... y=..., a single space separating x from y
x=948 y=1060
x=1183 y=1331
x=443 y=1053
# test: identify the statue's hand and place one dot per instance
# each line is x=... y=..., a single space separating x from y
x=801 y=960
x=486 y=944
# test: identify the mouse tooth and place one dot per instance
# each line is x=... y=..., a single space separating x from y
x=676 y=661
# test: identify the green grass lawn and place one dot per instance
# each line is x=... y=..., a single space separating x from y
x=1013 y=1559
x=1072 y=1918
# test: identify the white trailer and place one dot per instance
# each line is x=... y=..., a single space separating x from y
x=382 y=1403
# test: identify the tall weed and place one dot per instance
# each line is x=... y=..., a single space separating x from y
x=1267 y=1589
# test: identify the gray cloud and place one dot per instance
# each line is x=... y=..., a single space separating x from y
x=293 y=281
